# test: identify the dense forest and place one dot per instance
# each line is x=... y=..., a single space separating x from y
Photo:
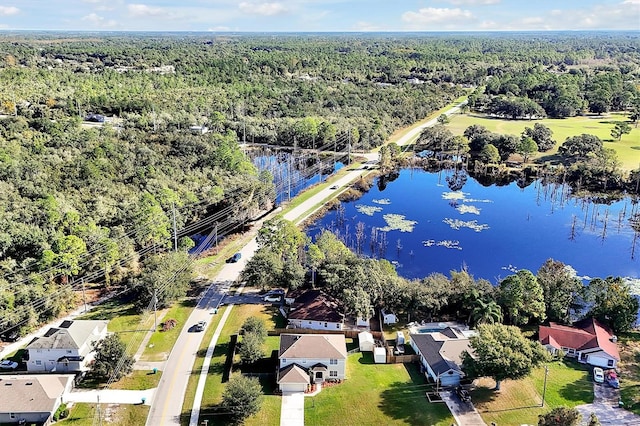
x=84 y=202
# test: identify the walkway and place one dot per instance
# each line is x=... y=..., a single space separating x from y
x=464 y=413
x=292 y=412
x=111 y=396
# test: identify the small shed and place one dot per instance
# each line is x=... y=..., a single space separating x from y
x=379 y=355
x=361 y=322
x=399 y=338
x=366 y=341
x=388 y=317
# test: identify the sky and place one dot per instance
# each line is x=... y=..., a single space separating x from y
x=319 y=15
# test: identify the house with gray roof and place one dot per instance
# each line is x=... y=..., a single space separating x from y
x=310 y=358
x=67 y=348
x=441 y=354
x=32 y=399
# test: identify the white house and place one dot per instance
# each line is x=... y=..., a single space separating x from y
x=441 y=354
x=307 y=358
x=32 y=399
x=588 y=341
x=68 y=348
x=316 y=310
x=388 y=317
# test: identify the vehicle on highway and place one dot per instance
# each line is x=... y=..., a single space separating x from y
x=7 y=364
x=272 y=298
x=598 y=375
x=236 y=257
x=334 y=187
x=200 y=326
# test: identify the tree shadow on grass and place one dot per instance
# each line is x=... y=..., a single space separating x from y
x=580 y=392
x=366 y=358
x=408 y=402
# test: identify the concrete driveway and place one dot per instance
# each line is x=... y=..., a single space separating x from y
x=464 y=412
x=605 y=405
x=292 y=409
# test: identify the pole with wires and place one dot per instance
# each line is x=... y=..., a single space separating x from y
x=175 y=229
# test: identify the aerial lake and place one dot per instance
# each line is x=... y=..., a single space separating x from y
x=422 y=226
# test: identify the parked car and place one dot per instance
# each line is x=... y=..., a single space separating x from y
x=272 y=298
x=236 y=257
x=611 y=377
x=334 y=187
x=463 y=394
x=200 y=326
x=598 y=375
x=7 y=364
x=96 y=118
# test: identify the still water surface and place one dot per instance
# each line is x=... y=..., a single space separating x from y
x=492 y=231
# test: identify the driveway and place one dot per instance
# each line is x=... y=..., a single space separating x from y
x=605 y=405
x=292 y=409
x=464 y=413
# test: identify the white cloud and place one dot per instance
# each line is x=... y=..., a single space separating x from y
x=473 y=2
x=142 y=10
x=631 y=2
x=265 y=9
x=9 y=10
x=433 y=15
x=99 y=21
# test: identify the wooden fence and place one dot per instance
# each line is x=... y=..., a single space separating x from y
x=400 y=359
x=349 y=334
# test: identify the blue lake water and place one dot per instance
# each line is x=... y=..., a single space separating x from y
x=492 y=231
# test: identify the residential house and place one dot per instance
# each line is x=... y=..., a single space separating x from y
x=587 y=340
x=441 y=354
x=310 y=358
x=68 y=348
x=316 y=310
x=388 y=317
x=32 y=399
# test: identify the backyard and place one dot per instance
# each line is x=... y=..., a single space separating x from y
x=376 y=394
x=519 y=401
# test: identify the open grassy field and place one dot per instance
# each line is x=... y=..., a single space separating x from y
x=376 y=394
x=116 y=415
x=518 y=402
x=628 y=148
x=162 y=342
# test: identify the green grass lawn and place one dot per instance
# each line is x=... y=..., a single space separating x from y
x=214 y=387
x=518 y=402
x=137 y=380
x=123 y=319
x=376 y=394
x=628 y=148
x=119 y=415
x=162 y=342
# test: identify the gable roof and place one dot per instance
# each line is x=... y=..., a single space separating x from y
x=442 y=350
x=70 y=335
x=318 y=346
x=293 y=373
x=314 y=305
x=582 y=336
x=31 y=394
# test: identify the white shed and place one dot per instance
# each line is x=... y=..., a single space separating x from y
x=388 y=317
x=379 y=355
x=400 y=338
x=366 y=342
x=361 y=322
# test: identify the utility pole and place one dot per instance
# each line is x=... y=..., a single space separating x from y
x=335 y=150
x=349 y=151
x=544 y=386
x=155 y=309
x=216 y=231
x=84 y=297
x=175 y=229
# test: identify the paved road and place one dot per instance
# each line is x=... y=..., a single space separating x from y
x=464 y=413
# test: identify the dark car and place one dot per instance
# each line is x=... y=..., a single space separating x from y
x=463 y=394
x=95 y=118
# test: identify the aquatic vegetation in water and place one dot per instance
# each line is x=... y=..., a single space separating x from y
x=466 y=208
x=383 y=201
x=450 y=244
x=397 y=221
x=368 y=210
x=472 y=224
x=455 y=195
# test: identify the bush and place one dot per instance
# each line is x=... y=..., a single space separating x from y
x=61 y=413
x=169 y=324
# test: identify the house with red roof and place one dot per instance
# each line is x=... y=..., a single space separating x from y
x=316 y=310
x=587 y=340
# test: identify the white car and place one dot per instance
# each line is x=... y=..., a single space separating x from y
x=7 y=364
x=272 y=298
x=598 y=375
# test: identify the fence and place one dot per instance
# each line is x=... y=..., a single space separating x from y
x=349 y=334
x=400 y=359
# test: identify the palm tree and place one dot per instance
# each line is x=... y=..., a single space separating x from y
x=486 y=312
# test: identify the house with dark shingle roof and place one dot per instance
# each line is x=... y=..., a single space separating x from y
x=32 y=399
x=316 y=310
x=310 y=358
x=587 y=340
x=441 y=354
x=67 y=348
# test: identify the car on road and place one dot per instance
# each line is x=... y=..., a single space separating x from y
x=272 y=298
x=334 y=187
x=7 y=364
x=598 y=375
x=236 y=257
x=200 y=326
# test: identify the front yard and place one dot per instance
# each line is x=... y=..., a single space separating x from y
x=519 y=402
x=629 y=367
x=376 y=394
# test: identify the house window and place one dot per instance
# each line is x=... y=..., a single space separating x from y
x=333 y=361
x=309 y=322
x=610 y=363
x=338 y=326
x=572 y=351
x=283 y=360
x=304 y=361
x=12 y=415
x=38 y=362
x=325 y=324
x=333 y=373
x=69 y=351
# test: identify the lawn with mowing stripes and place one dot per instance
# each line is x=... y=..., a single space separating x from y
x=376 y=394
